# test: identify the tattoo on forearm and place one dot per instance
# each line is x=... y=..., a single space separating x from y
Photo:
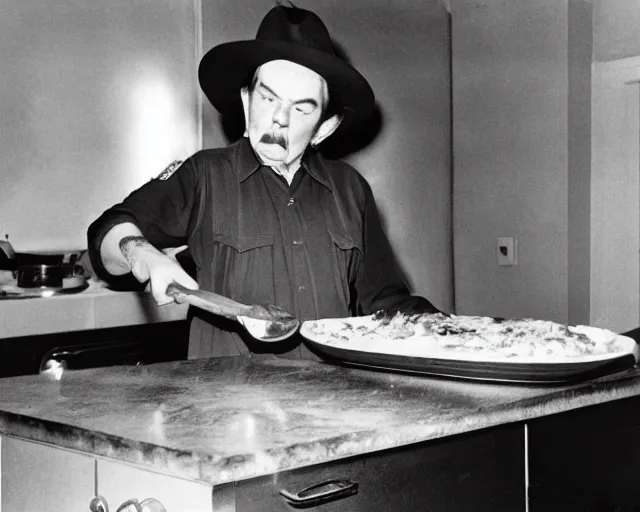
x=129 y=242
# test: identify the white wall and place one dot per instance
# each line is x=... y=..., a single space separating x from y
x=403 y=50
x=615 y=281
x=546 y=131
x=95 y=99
x=510 y=119
x=615 y=29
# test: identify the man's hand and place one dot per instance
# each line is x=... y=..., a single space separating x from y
x=124 y=249
x=160 y=268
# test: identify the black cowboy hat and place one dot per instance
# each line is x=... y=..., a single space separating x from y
x=286 y=33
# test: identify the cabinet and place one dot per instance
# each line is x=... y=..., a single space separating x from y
x=37 y=476
x=119 y=482
x=587 y=459
x=479 y=471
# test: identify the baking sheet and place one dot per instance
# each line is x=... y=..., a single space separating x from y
x=477 y=368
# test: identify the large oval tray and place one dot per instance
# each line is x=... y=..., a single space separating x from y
x=500 y=370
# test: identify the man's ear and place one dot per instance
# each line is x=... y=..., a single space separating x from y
x=326 y=128
x=244 y=96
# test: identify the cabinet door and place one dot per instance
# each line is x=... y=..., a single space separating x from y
x=586 y=460
x=481 y=471
x=40 y=477
x=118 y=482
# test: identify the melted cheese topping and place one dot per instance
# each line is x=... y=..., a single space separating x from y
x=467 y=337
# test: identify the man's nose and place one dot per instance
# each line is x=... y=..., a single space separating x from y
x=282 y=114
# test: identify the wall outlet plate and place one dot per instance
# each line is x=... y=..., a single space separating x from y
x=507 y=251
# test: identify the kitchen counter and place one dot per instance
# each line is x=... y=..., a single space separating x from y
x=228 y=419
x=96 y=307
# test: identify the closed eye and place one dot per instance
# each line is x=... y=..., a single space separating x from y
x=305 y=108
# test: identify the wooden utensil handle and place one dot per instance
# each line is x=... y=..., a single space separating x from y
x=209 y=301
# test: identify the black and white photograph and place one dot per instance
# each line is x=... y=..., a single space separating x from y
x=327 y=255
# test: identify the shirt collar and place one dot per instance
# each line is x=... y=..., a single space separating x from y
x=247 y=160
x=248 y=163
x=316 y=169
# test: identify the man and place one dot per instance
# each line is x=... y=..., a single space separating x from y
x=267 y=220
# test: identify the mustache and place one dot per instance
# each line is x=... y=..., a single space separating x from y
x=273 y=138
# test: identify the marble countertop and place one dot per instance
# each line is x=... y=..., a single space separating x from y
x=219 y=420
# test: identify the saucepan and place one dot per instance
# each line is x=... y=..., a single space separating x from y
x=49 y=275
x=42 y=269
x=265 y=323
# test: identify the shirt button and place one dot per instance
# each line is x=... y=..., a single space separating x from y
x=291 y=201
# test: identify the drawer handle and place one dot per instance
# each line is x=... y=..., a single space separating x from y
x=98 y=504
x=148 y=505
x=317 y=494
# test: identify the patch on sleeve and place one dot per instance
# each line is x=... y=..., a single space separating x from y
x=170 y=169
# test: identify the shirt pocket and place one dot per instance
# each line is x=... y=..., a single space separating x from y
x=242 y=267
x=347 y=254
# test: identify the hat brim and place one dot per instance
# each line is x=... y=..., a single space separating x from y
x=226 y=68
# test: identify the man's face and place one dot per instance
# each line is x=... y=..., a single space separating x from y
x=283 y=111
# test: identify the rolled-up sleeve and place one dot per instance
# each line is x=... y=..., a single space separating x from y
x=164 y=209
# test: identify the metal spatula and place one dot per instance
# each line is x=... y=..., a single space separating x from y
x=265 y=323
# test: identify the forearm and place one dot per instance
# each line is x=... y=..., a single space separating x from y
x=409 y=304
x=379 y=282
x=124 y=249
x=117 y=245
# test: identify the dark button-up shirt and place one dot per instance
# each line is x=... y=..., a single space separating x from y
x=315 y=248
